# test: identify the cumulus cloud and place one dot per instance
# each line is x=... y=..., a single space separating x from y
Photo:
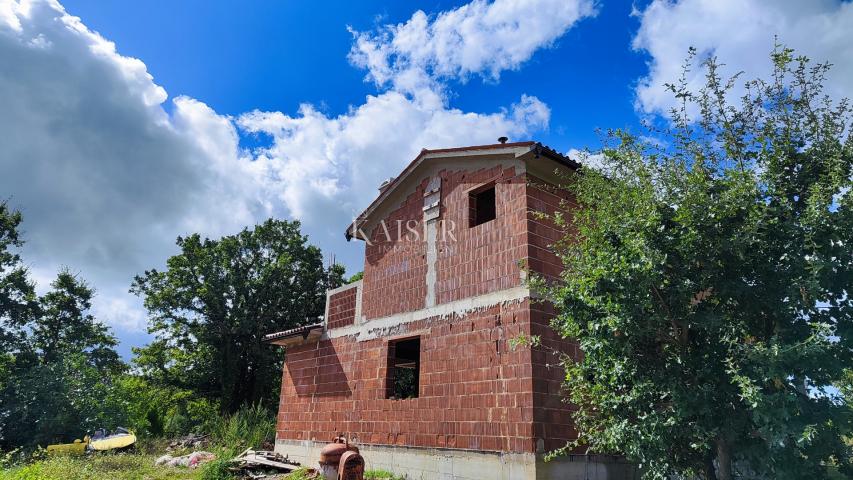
x=477 y=38
x=588 y=158
x=332 y=165
x=741 y=34
x=107 y=177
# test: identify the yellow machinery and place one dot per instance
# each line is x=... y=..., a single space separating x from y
x=99 y=441
x=76 y=448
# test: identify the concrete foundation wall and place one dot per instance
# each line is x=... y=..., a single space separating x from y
x=455 y=464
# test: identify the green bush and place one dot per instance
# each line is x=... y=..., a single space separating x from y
x=154 y=410
x=217 y=469
x=249 y=427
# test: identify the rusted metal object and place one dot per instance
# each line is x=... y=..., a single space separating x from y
x=351 y=466
x=331 y=454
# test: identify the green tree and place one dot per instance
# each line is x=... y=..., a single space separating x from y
x=65 y=325
x=156 y=410
x=708 y=283
x=58 y=381
x=216 y=300
x=56 y=361
x=59 y=401
x=17 y=292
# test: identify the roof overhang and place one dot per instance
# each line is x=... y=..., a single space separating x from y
x=515 y=150
x=296 y=336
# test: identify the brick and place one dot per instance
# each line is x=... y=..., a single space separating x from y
x=475 y=392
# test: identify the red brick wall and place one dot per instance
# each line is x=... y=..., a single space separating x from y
x=471 y=261
x=342 y=308
x=483 y=258
x=395 y=268
x=552 y=416
x=543 y=197
x=475 y=392
x=552 y=419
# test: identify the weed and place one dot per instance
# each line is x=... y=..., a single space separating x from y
x=98 y=467
x=217 y=470
x=302 y=474
x=382 y=475
x=249 y=427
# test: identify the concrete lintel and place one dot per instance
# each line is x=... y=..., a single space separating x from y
x=380 y=327
x=343 y=287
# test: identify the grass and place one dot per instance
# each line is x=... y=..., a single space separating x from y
x=306 y=474
x=140 y=466
x=129 y=466
x=382 y=475
x=249 y=427
x=302 y=474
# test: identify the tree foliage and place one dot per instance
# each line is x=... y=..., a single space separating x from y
x=216 y=300
x=17 y=292
x=57 y=362
x=708 y=283
x=60 y=376
x=64 y=325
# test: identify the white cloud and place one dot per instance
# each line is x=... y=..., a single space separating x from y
x=123 y=312
x=107 y=177
x=329 y=167
x=741 y=34
x=587 y=158
x=477 y=38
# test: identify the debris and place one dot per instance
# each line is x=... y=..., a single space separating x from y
x=191 y=441
x=192 y=460
x=262 y=460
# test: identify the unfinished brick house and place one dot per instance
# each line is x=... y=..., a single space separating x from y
x=414 y=361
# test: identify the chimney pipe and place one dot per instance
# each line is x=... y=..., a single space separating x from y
x=502 y=140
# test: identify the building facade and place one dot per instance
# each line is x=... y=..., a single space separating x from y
x=415 y=363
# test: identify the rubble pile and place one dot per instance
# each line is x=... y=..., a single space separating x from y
x=192 y=460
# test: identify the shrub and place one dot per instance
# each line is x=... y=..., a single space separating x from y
x=249 y=427
x=217 y=469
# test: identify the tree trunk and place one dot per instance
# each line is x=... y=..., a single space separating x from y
x=724 y=460
x=239 y=394
x=710 y=472
x=227 y=377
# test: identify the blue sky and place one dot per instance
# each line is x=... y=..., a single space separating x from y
x=126 y=124
x=275 y=55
